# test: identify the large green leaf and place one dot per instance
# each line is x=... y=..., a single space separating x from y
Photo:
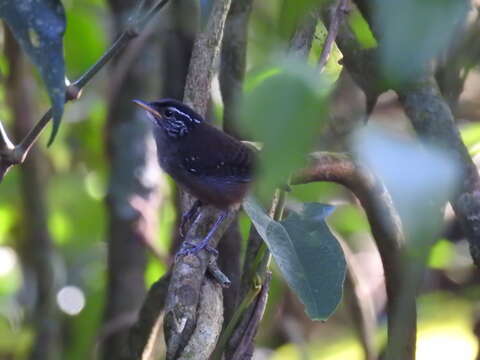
x=306 y=252
x=39 y=27
x=284 y=110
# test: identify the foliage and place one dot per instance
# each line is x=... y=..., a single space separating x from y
x=39 y=27
x=286 y=106
x=307 y=254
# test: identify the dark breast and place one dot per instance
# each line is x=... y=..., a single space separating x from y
x=215 y=167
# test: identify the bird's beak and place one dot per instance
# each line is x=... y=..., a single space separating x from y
x=145 y=106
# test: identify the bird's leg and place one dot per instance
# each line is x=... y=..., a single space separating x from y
x=189 y=248
x=189 y=216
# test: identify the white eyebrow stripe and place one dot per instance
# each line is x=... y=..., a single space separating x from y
x=188 y=116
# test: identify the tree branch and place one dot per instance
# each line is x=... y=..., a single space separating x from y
x=384 y=223
x=432 y=119
x=18 y=153
x=233 y=62
x=188 y=271
x=337 y=15
x=204 y=53
x=144 y=329
x=187 y=278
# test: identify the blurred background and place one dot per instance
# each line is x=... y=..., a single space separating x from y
x=88 y=224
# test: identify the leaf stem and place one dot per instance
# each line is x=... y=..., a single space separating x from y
x=258 y=278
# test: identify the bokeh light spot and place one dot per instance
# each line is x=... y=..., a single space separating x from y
x=71 y=300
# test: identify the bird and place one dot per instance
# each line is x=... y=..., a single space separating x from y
x=214 y=167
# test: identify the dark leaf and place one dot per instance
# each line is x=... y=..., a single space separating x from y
x=39 y=25
x=308 y=255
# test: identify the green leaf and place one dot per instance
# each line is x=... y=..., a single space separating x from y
x=39 y=27
x=405 y=54
x=307 y=254
x=285 y=110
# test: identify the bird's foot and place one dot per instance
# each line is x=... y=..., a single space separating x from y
x=189 y=248
x=189 y=216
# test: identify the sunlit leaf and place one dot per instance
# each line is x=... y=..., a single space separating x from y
x=39 y=27
x=7 y=218
x=471 y=137
x=441 y=255
x=307 y=254
x=362 y=30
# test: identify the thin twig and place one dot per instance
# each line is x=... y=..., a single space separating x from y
x=338 y=13
x=18 y=154
x=5 y=143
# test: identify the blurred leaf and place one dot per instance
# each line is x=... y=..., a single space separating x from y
x=414 y=32
x=442 y=254
x=307 y=254
x=256 y=77
x=362 y=30
x=155 y=270
x=10 y=273
x=7 y=218
x=349 y=220
x=85 y=327
x=85 y=38
x=315 y=191
x=419 y=178
x=285 y=111
x=39 y=26
x=85 y=214
x=471 y=137
x=292 y=12
x=60 y=227
x=15 y=343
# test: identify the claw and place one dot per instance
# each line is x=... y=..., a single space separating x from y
x=188 y=216
x=192 y=249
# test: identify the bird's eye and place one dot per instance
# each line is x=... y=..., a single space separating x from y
x=168 y=113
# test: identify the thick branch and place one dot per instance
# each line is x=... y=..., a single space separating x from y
x=204 y=54
x=209 y=323
x=187 y=277
x=301 y=41
x=384 y=223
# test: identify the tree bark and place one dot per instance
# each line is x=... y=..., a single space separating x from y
x=132 y=199
x=36 y=249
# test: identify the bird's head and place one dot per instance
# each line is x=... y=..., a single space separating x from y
x=173 y=117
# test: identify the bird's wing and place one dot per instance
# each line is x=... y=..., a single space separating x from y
x=218 y=155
